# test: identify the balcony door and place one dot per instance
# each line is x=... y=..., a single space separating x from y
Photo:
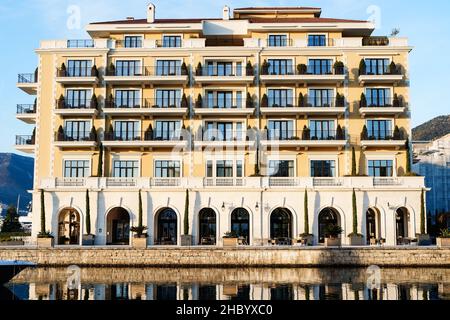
x=379 y=129
x=167 y=130
x=77 y=130
x=281 y=130
x=126 y=130
x=322 y=129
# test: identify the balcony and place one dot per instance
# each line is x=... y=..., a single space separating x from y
x=304 y=139
x=28 y=82
x=146 y=75
x=75 y=139
x=74 y=76
x=304 y=74
x=25 y=144
x=150 y=107
x=80 y=44
x=147 y=139
x=216 y=139
x=224 y=182
x=75 y=107
x=226 y=75
x=387 y=138
x=26 y=113
x=331 y=106
x=391 y=75
x=224 y=107
x=381 y=107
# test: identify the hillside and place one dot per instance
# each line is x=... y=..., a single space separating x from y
x=16 y=177
x=432 y=129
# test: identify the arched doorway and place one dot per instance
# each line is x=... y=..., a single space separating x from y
x=372 y=226
x=240 y=224
x=281 y=224
x=327 y=216
x=207 y=227
x=118 y=227
x=166 y=226
x=69 y=227
x=401 y=224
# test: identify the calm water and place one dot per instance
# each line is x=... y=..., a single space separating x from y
x=228 y=284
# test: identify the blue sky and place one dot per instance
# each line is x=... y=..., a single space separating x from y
x=24 y=23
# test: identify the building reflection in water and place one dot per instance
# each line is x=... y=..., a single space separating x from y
x=37 y=285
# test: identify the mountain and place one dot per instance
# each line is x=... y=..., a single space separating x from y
x=16 y=177
x=436 y=128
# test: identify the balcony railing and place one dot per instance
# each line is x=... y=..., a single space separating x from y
x=223 y=103
x=305 y=135
x=327 y=182
x=385 y=135
x=306 y=102
x=121 y=182
x=146 y=71
x=166 y=182
x=76 y=104
x=169 y=43
x=88 y=43
x=224 y=182
x=284 y=182
x=144 y=103
x=279 y=42
x=385 y=102
x=27 y=78
x=70 y=182
x=223 y=136
x=375 y=41
x=25 y=140
x=79 y=72
x=149 y=135
x=225 y=71
x=303 y=69
x=391 y=69
x=26 y=109
x=129 y=43
x=76 y=136
x=387 y=181
x=328 y=42
x=221 y=42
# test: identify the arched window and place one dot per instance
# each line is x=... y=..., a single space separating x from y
x=69 y=227
x=281 y=224
x=167 y=227
x=207 y=227
x=401 y=223
x=327 y=216
x=118 y=227
x=240 y=224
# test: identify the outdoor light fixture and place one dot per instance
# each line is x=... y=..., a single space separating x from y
x=223 y=206
x=257 y=206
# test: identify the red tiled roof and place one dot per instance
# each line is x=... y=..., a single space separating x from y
x=278 y=8
x=303 y=20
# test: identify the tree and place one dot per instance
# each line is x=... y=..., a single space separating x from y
x=301 y=100
x=364 y=133
x=184 y=101
x=265 y=68
x=249 y=69
x=11 y=222
x=362 y=67
x=363 y=101
x=397 y=135
x=93 y=134
x=199 y=102
x=88 y=214
x=422 y=213
x=339 y=133
x=184 y=69
x=199 y=70
x=139 y=230
x=408 y=157
x=249 y=101
x=264 y=101
x=186 y=214
x=305 y=204
x=43 y=232
x=100 y=162
x=355 y=214
x=353 y=162
x=94 y=102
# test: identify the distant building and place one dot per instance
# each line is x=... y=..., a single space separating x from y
x=432 y=160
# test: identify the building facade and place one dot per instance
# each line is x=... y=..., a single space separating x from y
x=432 y=160
x=244 y=114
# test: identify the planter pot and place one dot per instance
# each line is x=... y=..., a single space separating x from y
x=332 y=242
x=186 y=240
x=45 y=242
x=443 y=242
x=356 y=241
x=230 y=290
x=12 y=243
x=139 y=243
x=88 y=240
x=307 y=240
x=423 y=239
x=230 y=242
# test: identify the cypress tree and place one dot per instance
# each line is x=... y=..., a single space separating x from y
x=100 y=162
x=355 y=214
x=88 y=214
x=353 y=162
x=42 y=213
x=186 y=214
x=306 y=213
x=422 y=212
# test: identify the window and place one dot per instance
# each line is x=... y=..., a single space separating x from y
x=128 y=68
x=280 y=66
x=78 y=68
x=127 y=98
x=323 y=168
x=78 y=98
x=378 y=97
x=76 y=169
x=224 y=68
x=224 y=99
x=281 y=168
x=320 y=97
x=126 y=168
x=167 y=130
x=223 y=131
x=320 y=66
x=168 y=67
x=280 y=98
x=167 y=169
x=133 y=42
x=377 y=66
x=317 y=40
x=224 y=168
x=168 y=98
x=380 y=168
x=171 y=42
x=281 y=130
x=278 y=41
x=379 y=129
x=126 y=130
x=77 y=130
x=322 y=129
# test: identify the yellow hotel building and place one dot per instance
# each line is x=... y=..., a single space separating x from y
x=251 y=113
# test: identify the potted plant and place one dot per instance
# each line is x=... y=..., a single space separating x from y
x=264 y=101
x=88 y=238
x=423 y=238
x=140 y=238
x=362 y=67
x=340 y=133
x=62 y=70
x=364 y=133
x=199 y=102
x=340 y=100
x=265 y=68
x=332 y=235
x=443 y=241
x=397 y=135
x=230 y=239
x=393 y=68
x=44 y=239
x=363 y=101
x=184 y=69
x=306 y=133
x=301 y=100
x=338 y=67
x=112 y=69
x=356 y=239
x=199 y=70
x=61 y=102
x=93 y=134
x=184 y=102
x=94 y=102
x=302 y=69
x=249 y=101
x=186 y=238
x=249 y=71
x=396 y=101
x=94 y=71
